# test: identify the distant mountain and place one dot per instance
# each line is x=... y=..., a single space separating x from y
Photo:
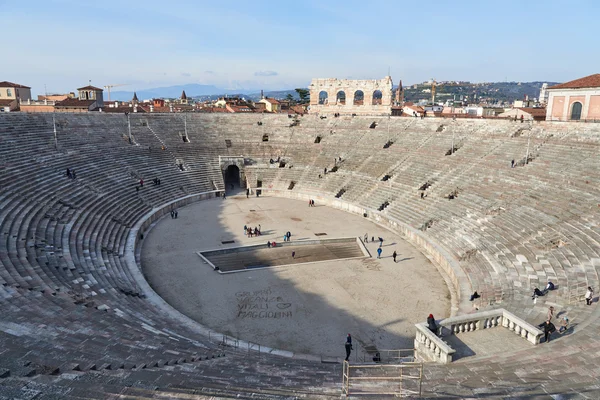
x=191 y=90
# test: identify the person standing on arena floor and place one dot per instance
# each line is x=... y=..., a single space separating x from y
x=293 y=254
x=348 y=346
x=394 y=255
x=379 y=252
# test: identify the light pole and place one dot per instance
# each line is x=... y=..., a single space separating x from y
x=55 y=137
x=129 y=128
x=528 y=141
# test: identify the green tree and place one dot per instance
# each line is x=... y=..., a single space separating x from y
x=304 y=95
x=289 y=98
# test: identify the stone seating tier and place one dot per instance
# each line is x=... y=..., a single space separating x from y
x=70 y=300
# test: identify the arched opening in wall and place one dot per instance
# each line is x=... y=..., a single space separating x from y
x=359 y=98
x=377 y=98
x=576 y=111
x=232 y=176
x=323 y=97
x=265 y=138
x=341 y=98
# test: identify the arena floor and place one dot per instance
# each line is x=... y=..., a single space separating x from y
x=307 y=308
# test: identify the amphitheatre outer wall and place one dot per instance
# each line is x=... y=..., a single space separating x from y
x=362 y=97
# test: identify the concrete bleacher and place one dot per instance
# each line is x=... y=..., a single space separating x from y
x=72 y=307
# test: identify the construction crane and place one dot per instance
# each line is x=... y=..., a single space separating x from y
x=108 y=87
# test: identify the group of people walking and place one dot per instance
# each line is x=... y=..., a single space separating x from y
x=252 y=232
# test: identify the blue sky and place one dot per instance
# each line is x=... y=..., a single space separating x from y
x=281 y=45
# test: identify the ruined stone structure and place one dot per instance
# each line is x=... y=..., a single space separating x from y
x=346 y=96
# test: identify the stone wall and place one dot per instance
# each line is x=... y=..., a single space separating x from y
x=368 y=106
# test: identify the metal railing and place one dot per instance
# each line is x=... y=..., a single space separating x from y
x=399 y=380
x=224 y=340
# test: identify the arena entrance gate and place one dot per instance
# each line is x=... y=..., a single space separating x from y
x=232 y=169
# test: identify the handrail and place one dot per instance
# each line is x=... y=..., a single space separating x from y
x=430 y=347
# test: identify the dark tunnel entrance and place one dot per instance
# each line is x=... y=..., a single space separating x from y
x=232 y=176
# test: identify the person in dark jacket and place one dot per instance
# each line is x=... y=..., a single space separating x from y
x=431 y=324
x=537 y=293
x=348 y=346
x=548 y=328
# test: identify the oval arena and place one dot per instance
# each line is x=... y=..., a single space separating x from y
x=104 y=294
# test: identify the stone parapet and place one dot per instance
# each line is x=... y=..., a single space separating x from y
x=430 y=346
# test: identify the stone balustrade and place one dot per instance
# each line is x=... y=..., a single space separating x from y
x=431 y=347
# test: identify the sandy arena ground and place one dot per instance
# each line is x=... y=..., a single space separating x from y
x=304 y=308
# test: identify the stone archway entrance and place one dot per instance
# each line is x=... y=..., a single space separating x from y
x=232 y=175
x=232 y=169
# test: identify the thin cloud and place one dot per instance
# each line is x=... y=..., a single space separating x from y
x=265 y=73
x=210 y=72
x=187 y=74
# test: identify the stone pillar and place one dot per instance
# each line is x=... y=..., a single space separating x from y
x=586 y=107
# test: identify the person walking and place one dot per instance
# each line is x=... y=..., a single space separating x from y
x=380 y=241
x=247 y=192
x=550 y=313
x=548 y=328
x=366 y=238
x=348 y=346
x=394 y=255
x=589 y=295
x=293 y=254
x=245 y=229
x=379 y=252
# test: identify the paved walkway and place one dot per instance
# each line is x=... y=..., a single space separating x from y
x=306 y=310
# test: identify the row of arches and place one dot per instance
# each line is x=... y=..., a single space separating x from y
x=358 y=99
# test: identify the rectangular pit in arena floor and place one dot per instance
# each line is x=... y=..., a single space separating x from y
x=237 y=259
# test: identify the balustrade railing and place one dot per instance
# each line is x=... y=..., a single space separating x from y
x=431 y=347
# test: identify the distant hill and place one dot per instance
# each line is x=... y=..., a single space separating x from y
x=191 y=90
x=490 y=91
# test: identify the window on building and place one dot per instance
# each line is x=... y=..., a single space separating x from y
x=8 y=92
x=576 y=111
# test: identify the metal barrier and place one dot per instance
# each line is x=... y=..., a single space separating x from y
x=224 y=340
x=400 y=380
x=253 y=346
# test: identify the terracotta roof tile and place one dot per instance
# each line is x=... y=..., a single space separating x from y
x=536 y=112
x=13 y=85
x=75 y=103
x=586 y=82
x=6 y=102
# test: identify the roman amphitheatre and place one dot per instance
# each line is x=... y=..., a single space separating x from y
x=105 y=295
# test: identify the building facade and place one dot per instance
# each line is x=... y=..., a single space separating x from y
x=11 y=94
x=577 y=100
